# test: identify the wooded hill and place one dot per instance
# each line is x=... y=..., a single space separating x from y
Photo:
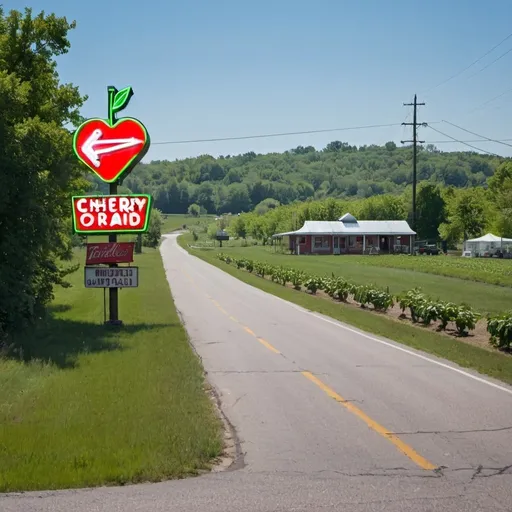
x=239 y=183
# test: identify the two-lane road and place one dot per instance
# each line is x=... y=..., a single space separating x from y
x=328 y=418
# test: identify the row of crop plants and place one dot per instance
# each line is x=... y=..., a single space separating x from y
x=422 y=308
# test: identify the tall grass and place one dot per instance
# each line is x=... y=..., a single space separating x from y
x=90 y=405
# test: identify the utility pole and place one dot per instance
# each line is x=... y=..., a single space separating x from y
x=415 y=143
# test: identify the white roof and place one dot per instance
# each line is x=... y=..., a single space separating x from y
x=490 y=238
x=348 y=225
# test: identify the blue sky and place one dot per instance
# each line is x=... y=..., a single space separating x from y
x=204 y=69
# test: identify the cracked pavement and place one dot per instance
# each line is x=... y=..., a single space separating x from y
x=302 y=446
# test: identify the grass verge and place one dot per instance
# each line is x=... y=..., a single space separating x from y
x=91 y=405
x=493 y=364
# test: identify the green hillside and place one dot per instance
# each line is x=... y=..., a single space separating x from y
x=239 y=183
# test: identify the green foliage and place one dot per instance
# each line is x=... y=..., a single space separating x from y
x=38 y=171
x=194 y=210
x=422 y=308
x=241 y=183
x=425 y=310
x=312 y=284
x=154 y=233
x=468 y=214
x=500 y=329
x=465 y=320
x=431 y=211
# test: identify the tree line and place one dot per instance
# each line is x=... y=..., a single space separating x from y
x=443 y=213
x=239 y=183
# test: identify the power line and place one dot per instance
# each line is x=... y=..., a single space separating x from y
x=470 y=66
x=283 y=134
x=477 y=134
x=491 y=63
x=490 y=101
x=462 y=142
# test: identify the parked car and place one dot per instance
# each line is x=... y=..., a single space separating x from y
x=430 y=249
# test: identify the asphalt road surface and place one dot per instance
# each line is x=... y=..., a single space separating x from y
x=327 y=418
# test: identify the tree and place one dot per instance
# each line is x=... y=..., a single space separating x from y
x=430 y=208
x=237 y=227
x=194 y=210
x=467 y=216
x=153 y=235
x=38 y=170
x=500 y=186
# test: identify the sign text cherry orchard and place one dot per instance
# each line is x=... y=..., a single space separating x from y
x=111 y=148
x=111 y=214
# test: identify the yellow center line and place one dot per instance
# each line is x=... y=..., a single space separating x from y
x=407 y=450
x=249 y=331
x=265 y=343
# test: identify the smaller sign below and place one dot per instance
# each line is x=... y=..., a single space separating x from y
x=222 y=235
x=111 y=214
x=110 y=252
x=116 y=277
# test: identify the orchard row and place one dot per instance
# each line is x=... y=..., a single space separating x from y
x=422 y=308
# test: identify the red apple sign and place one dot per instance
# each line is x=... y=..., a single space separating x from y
x=111 y=148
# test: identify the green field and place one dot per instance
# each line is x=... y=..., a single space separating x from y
x=492 y=363
x=176 y=222
x=485 y=298
x=91 y=405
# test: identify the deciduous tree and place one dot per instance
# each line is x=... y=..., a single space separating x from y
x=38 y=171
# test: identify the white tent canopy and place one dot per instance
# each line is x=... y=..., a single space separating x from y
x=489 y=238
x=488 y=245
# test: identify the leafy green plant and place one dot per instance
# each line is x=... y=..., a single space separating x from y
x=466 y=320
x=297 y=278
x=447 y=312
x=361 y=295
x=381 y=300
x=312 y=284
x=412 y=299
x=500 y=329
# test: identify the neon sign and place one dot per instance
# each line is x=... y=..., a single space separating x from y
x=112 y=147
x=111 y=214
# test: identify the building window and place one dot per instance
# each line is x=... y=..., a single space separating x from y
x=302 y=240
x=369 y=240
x=321 y=242
x=351 y=241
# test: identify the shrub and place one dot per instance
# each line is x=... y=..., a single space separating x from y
x=466 y=320
x=447 y=312
x=312 y=284
x=297 y=278
x=413 y=299
x=500 y=329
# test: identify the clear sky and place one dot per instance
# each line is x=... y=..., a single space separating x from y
x=206 y=69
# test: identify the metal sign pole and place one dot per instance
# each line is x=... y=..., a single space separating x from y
x=113 y=295
x=113 y=303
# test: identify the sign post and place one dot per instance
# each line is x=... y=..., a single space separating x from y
x=111 y=148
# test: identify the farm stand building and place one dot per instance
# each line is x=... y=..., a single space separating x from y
x=347 y=235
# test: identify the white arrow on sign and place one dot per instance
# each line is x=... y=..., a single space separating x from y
x=95 y=140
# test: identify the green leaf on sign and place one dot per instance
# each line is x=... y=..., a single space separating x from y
x=121 y=99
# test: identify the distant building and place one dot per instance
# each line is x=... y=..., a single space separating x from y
x=347 y=235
